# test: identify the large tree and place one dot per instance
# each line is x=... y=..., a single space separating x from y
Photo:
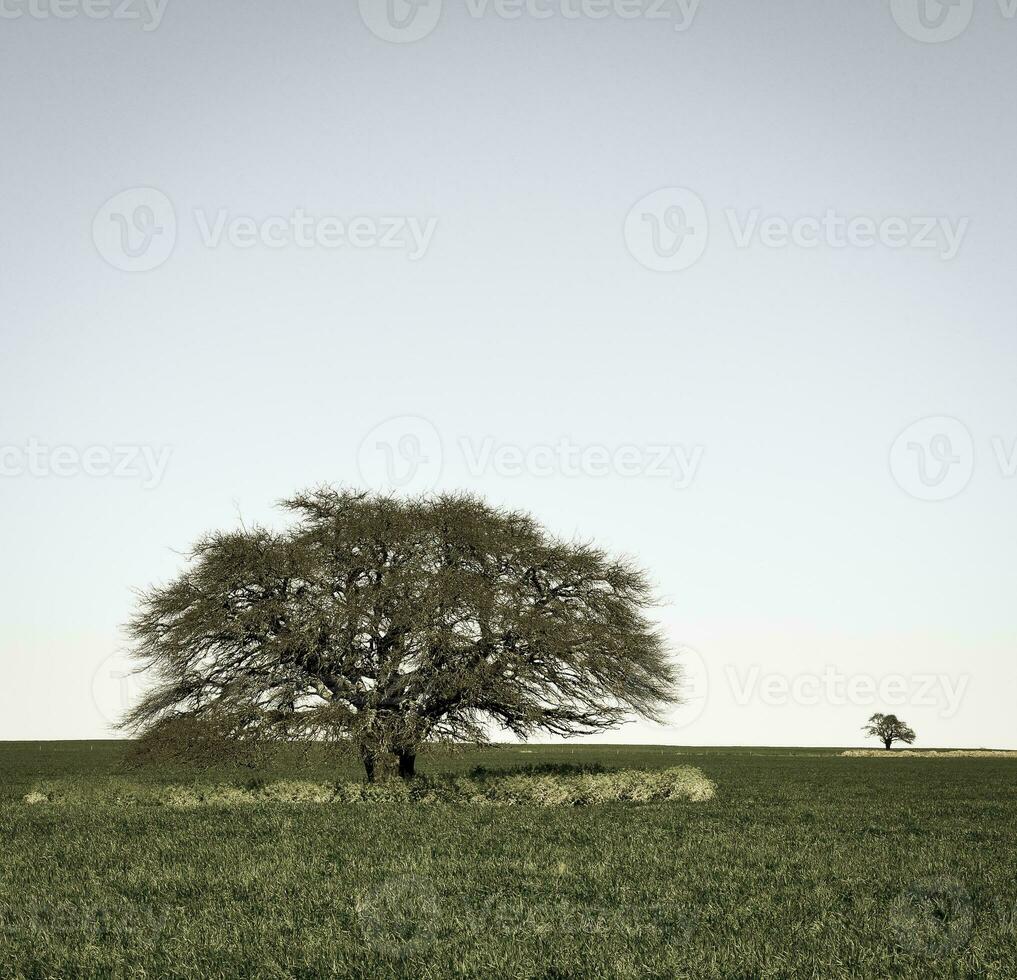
x=889 y=729
x=387 y=622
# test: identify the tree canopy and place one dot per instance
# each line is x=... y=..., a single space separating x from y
x=889 y=729
x=389 y=622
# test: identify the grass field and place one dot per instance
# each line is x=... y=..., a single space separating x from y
x=805 y=864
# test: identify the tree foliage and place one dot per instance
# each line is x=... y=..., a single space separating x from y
x=889 y=729
x=390 y=622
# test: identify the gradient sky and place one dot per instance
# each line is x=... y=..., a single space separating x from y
x=529 y=340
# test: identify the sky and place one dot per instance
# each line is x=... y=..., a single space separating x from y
x=724 y=286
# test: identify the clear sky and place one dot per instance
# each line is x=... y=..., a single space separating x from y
x=726 y=286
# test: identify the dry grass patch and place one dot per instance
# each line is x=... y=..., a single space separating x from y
x=539 y=786
x=586 y=788
x=930 y=754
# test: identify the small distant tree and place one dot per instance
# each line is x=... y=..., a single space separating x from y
x=889 y=729
x=388 y=623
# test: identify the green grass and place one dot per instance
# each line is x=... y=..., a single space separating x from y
x=804 y=865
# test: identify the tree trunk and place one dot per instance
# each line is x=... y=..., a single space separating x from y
x=367 y=757
x=407 y=763
x=887 y=742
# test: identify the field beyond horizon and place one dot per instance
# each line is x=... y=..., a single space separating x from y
x=805 y=864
